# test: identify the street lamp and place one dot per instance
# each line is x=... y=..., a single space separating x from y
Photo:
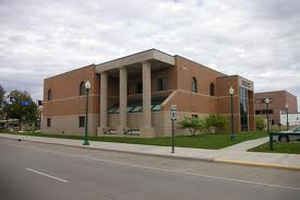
x=287 y=116
x=87 y=87
x=267 y=101
x=231 y=92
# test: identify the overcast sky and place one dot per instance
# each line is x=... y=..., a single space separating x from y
x=257 y=39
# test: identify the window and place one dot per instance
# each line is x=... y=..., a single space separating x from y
x=194 y=85
x=244 y=109
x=82 y=90
x=212 y=89
x=137 y=109
x=49 y=94
x=129 y=90
x=265 y=111
x=162 y=84
x=48 y=122
x=139 y=88
x=113 y=109
x=156 y=107
x=81 y=121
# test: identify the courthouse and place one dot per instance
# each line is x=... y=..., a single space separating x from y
x=132 y=96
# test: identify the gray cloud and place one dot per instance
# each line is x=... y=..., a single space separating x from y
x=256 y=39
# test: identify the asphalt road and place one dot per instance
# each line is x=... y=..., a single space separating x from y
x=31 y=171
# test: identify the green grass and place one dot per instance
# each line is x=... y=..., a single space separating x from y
x=290 y=147
x=206 y=141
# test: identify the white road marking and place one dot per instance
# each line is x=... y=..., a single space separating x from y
x=47 y=175
x=199 y=175
x=167 y=170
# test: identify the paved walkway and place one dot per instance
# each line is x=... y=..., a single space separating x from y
x=244 y=146
x=276 y=160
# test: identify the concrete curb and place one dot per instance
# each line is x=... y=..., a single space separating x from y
x=119 y=151
x=172 y=156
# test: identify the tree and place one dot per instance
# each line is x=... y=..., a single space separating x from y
x=2 y=93
x=21 y=106
x=192 y=124
x=260 y=123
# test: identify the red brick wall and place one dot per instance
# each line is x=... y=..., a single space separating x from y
x=65 y=93
x=187 y=69
x=185 y=99
x=224 y=101
x=279 y=100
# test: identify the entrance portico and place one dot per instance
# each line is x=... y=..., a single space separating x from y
x=145 y=62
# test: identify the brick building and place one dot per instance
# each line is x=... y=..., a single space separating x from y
x=133 y=95
x=280 y=100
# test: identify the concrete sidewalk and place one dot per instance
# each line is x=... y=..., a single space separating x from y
x=244 y=146
x=274 y=160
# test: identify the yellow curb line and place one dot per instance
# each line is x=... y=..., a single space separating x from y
x=257 y=164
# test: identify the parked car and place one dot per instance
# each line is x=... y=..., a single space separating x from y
x=287 y=137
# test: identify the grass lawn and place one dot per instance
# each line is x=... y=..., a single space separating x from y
x=206 y=141
x=290 y=147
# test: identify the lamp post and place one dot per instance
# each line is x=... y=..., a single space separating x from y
x=267 y=102
x=287 y=116
x=87 y=87
x=231 y=92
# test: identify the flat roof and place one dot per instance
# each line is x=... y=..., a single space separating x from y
x=274 y=92
x=151 y=54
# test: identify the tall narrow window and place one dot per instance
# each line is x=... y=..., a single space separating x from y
x=81 y=121
x=194 y=85
x=162 y=84
x=139 y=88
x=49 y=95
x=212 y=89
x=48 y=122
x=82 y=88
x=244 y=109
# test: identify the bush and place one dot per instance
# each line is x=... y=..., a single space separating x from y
x=260 y=123
x=192 y=124
x=218 y=122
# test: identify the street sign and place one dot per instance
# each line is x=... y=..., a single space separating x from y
x=173 y=113
x=173 y=117
x=26 y=103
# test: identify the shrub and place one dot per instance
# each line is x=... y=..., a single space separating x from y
x=192 y=124
x=218 y=122
x=260 y=123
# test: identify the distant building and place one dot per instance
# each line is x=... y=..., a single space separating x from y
x=133 y=95
x=280 y=102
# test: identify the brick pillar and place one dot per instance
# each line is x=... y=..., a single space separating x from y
x=123 y=99
x=147 y=94
x=147 y=129
x=103 y=103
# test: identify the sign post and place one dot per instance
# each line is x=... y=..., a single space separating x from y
x=173 y=117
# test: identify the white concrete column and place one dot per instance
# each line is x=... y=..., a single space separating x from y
x=103 y=101
x=147 y=94
x=123 y=99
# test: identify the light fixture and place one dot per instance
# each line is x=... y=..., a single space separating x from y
x=267 y=100
x=231 y=91
x=87 y=84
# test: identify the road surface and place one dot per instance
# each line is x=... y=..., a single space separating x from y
x=31 y=171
